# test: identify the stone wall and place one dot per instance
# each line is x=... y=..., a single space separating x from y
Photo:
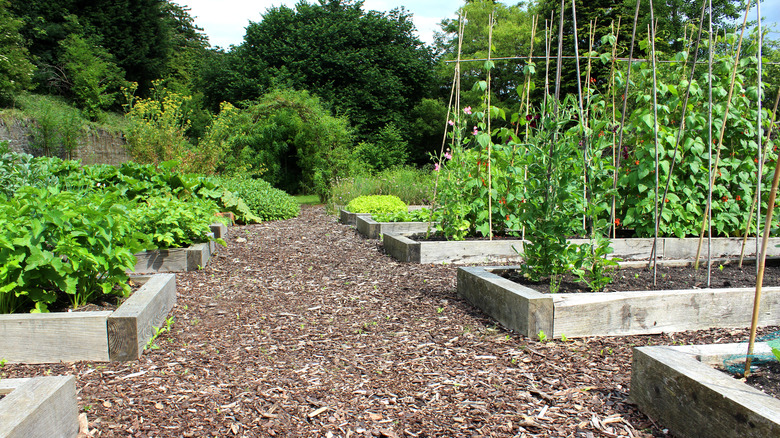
x=94 y=146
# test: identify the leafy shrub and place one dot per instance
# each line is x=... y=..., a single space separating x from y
x=386 y=151
x=57 y=126
x=376 y=204
x=172 y=222
x=266 y=202
x=57 y=243
x=93 y=76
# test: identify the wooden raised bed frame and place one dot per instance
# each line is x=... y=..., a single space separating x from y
x=679 y=387
x=610 y=313
x=404 y=249
x=40 y=407
x=98 y=336
x=371 y=229
x=180 y=259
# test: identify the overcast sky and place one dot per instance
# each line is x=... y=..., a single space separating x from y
x=224 y=21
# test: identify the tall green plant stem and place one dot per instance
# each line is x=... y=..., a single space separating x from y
x=722 y=133
x=755 y=195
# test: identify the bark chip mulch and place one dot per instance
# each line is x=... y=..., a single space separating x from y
x=304 y=328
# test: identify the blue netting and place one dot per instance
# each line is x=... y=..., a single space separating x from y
x=735 y=364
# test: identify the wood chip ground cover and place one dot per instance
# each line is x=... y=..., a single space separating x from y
x=304 y=328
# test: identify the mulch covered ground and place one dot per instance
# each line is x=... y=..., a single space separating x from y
x=304 y=328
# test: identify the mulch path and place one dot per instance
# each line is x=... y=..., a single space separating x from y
x=304 y=328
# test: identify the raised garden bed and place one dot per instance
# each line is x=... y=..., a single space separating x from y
x=40 y=407
x=406 y=249
x=610 y=313
x=92 y=335
x=367 y=226
x=349 y=218
x=678 y=387
x=192 y=258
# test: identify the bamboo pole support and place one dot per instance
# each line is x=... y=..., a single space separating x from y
x=767 y=224
x=651 y=34
x=615 y=152
x=722 y=133
x=682 y=123
x=755 y=195
x=490 y=143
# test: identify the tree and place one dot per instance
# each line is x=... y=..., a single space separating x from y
x=368 y=65
x=91 y=74
x=137 y=33
x=511 y=37
x=15 y=66
x=675 y=18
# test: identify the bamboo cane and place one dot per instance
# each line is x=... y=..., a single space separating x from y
x=560 y=50
x=682 y=123
x=581 y=115
x=722 y=132
x=490 y=143
x=615 y=153
x=755 y=195
x=651 y=32
x=628 y=79
x=770 y=209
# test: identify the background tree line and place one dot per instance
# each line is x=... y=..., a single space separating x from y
x=315 y=92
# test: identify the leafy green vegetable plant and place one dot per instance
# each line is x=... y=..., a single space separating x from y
x=62 y=242
x=376 y=204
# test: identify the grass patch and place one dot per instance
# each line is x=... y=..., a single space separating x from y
x=307 y=199
x=413 y=186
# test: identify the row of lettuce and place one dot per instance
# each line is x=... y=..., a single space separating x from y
x=70 y=232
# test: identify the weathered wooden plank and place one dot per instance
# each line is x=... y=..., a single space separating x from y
x=721 y=247
x=372 y=229
x=626 y=313
x=174 y=259
x=220 y=230
x=54 y=337
x=41 y=407
x=623 y=313
x=130 y=326
x=516 y=307
x=198 y=256
x=349 y=218
x=401 y=247
x=478 y=251
x=694 y=400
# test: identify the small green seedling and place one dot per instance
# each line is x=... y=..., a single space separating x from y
x=564 y=338
x=151 y=344
x=542 y=336
x=774 y=345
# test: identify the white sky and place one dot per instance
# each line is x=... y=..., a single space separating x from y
x=224 y=21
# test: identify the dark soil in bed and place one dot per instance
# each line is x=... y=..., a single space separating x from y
x=304 y=328
x=728 y=275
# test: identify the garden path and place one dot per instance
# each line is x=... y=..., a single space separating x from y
x=304 y=328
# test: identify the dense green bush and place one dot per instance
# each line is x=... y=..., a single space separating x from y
x=377 y=204
x=265 y=201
